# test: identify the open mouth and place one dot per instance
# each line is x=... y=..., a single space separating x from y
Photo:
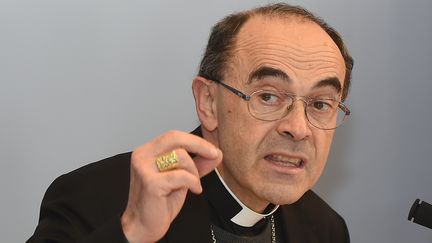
x=285 y=161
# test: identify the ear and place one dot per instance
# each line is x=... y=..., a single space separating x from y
x=205 y=102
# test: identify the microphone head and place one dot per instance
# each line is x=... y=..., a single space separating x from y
x=413 y=209
x=421 y=212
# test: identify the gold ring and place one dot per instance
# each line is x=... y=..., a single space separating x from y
x=167 y=161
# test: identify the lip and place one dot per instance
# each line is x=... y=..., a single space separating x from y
x=286 y=167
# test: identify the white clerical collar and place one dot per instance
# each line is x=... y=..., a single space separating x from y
x=246 y=217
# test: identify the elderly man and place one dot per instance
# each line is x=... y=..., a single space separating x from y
x=268 y=95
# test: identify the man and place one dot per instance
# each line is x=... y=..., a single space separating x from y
x=268 y=96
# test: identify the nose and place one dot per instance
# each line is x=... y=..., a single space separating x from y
x=295 y=123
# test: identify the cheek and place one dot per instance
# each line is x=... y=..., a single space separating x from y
x=238 y=130
x=241 y=124
x=235 y=129
x=323 y=141
x=232 y=113
x=230 y=122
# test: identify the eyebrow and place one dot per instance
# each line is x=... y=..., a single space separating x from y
x=329 y=82
x=268 y=72
x=277 y=73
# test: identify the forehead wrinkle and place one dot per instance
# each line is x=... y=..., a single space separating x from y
x=254 y=40
x=294 y=62
x=325 y=66
x=322 y=69
x=293 y=55
x=311 y=56
x=289 y=52
x=326 y=72
x=298 y=56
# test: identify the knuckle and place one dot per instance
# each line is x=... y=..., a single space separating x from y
x=181 y=153
x=172 y=133
x=141 y=151
x=165 y=136
x=134 y=157
x=139 y=162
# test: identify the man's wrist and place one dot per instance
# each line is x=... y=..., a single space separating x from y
x=130 y=231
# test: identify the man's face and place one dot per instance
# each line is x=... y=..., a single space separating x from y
x=276 y=161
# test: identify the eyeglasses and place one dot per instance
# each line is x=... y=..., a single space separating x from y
x=269 y=105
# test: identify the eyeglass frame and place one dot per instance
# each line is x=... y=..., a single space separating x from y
x=248 y=98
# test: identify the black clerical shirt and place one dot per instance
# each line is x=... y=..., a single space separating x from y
x=223 y=207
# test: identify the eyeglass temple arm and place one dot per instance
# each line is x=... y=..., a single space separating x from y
x=236 y=92
x=345 y=109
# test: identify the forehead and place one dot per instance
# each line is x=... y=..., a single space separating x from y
x=300 y=48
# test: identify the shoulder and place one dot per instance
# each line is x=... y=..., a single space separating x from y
x=89 y=198
x=105 y=182
x=317 y=207
x=104 y=171
x=313 y=213
x=109 y=166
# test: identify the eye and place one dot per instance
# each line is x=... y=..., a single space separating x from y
x=269 y=98
x=322 y=105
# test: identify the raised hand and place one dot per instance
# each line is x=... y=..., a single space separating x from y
x=155 y=197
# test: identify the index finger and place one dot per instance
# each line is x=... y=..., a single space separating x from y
x=176 y=139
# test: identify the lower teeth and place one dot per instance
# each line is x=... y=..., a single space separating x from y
x=287 y=164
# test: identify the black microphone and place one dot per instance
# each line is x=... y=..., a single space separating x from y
x=422 y=213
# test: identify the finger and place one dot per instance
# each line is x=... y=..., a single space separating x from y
x=205 y=166
x=184 y=162
x=176 y=139
x=178 y=179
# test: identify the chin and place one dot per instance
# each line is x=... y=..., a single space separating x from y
x=286 y=200
x=283 y=196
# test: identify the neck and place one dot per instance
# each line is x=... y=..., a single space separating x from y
x=254 y=203
x=247 y=217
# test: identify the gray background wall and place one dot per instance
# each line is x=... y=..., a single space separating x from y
x=82 y=80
